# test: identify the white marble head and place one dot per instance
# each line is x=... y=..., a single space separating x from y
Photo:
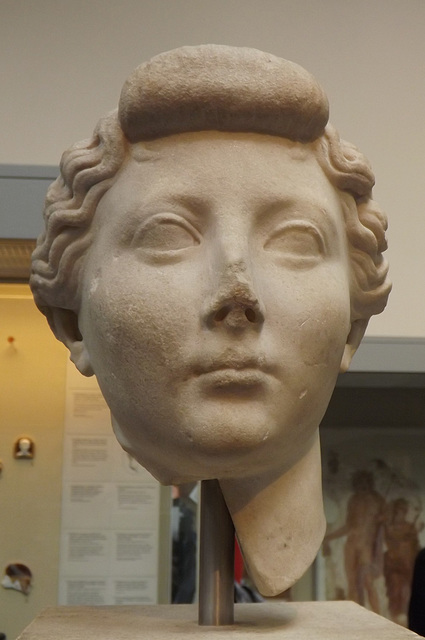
x=213 y=255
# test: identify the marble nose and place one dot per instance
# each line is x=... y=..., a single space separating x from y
x=235 y=304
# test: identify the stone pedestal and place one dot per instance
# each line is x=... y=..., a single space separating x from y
x=286 y=621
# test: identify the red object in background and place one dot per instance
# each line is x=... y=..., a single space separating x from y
x=238 y=563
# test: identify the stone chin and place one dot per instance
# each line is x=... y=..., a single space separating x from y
x=208 y=460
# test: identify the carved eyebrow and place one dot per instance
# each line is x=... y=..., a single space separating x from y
x=196 y=204
x=155 y=202
x=155 y=196
x=272 y=202
x=317 y=211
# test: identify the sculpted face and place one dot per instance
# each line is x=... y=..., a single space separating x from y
x=215 y=303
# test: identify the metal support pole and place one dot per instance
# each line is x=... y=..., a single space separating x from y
x=217 y=550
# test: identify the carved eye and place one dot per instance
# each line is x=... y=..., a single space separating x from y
x=166 y=233
x=296 y=240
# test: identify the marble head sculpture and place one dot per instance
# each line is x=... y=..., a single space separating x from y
x=213 y=254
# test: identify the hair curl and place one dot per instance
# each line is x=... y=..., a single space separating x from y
x=365 y=222
x=87 y=170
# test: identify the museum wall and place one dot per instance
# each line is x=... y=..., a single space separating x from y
x=63 y=64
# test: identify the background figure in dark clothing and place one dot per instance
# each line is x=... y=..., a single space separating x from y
x=417 y=598
x=184 y=546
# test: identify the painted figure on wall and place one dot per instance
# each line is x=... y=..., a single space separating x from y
x=374 y=533
x=402 y=546
x=213 y=254
x=363 y=531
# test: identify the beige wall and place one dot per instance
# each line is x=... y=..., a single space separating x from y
x=32 y=384
x=64 y=61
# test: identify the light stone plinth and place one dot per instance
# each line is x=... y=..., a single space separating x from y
x=294 y=621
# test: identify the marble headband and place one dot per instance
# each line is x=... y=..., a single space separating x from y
x=222 y=88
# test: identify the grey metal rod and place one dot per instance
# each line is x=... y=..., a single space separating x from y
x=216 y=564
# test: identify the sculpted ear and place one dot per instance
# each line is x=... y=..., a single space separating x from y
x=357 y=331
x=64 y=324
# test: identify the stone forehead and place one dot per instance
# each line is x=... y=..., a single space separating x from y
x=216 y=87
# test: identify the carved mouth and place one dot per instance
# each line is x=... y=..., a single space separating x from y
x=227 y=376
x=235 y=375
x=234 y=362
